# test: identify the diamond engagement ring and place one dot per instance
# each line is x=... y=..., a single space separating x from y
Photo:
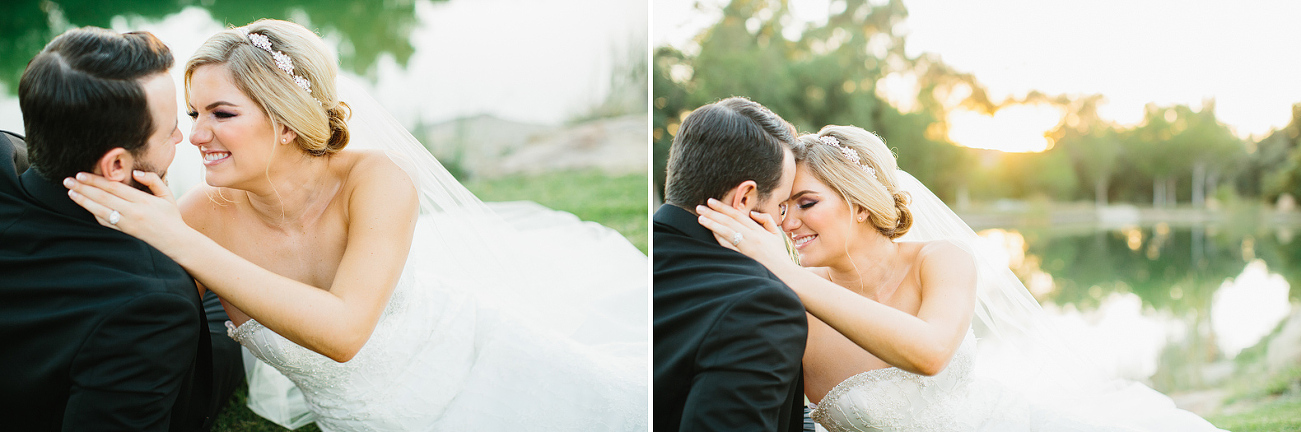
x=114 y=217
x=736 y=239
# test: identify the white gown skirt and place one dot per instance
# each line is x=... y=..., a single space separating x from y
x=564 y=347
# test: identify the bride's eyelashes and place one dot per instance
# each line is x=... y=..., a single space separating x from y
x=217 y=114
x=807 y=204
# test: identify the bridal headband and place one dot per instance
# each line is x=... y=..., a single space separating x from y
x=848 y=153
x=283 y=62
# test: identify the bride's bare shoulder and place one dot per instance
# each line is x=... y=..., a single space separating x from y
x=373 y=171
x=203 y=206
x=943 y=254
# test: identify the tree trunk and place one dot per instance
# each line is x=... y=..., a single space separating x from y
x=1158 y=191
x=1199 y=185
x=1100 y=193
x=1172 y=199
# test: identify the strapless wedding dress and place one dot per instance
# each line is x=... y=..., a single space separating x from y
x=959 y=399
x=443 y=358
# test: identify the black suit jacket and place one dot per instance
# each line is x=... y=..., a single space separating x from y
x=729 y=335
x=98 y=330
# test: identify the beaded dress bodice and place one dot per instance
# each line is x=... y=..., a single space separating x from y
x=891 y=399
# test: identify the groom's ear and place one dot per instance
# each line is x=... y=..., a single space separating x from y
x=744 y=197
x=116 y=165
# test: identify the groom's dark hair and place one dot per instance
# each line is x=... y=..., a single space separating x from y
x=723 y=144
x=82 y=96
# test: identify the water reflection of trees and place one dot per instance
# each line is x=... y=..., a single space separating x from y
x=1171 y=269
x=368 y=29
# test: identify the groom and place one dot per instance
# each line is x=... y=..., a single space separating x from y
x=729 y=336
x=98 y=330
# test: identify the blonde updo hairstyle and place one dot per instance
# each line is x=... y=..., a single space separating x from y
x=321 y=127
x=887 y=207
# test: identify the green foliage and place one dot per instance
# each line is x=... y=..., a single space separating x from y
x=826 y=76
x=1278 y=160
x=368 y=29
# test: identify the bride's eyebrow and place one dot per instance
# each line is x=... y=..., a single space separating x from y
x=799 y=194
x=217 y=104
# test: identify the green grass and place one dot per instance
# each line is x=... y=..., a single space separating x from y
x=618 y=202
x=1282 y=414
x=236 y=417
x=1261 y=401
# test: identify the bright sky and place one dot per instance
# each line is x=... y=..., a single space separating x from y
x=1242 y=54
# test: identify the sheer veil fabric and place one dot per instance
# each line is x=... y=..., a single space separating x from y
x=546 y=270
x=1018 y=349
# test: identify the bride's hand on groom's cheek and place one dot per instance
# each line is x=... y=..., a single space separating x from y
x=759 y=235
x=144 y=216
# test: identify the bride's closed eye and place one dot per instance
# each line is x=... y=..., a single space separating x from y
x=217 y=114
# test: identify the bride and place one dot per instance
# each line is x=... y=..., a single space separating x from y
x=891 y=289
x=392 y=297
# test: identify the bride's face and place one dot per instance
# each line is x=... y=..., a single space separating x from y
x=232 y=133
x=818 y=220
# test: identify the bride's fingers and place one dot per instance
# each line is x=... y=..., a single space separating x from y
x=100 y=211
x=95 y=195
x=765 y=220
x=155 y=183
x=718 y=206
x=714 y=227
x=726 y=224
x=118 y=189
x=725 y=242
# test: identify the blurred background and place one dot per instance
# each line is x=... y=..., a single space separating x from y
x=1136 y=162
x=542 y=100
x=521 y=100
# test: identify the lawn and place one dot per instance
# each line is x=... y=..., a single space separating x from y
x=1261 y=401
x=619 y=202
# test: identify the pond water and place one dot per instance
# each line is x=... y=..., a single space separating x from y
x=1170 y=306
x=426 y=61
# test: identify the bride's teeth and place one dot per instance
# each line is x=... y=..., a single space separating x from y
x=215 y=156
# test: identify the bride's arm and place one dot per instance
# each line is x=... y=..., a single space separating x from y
x=921 y=344
x=382 y=213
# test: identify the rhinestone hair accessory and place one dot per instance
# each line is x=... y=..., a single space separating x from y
x=848 y=153
x=283 y=62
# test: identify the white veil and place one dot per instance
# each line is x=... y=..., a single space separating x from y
x=546 y=269
x=1018 y=347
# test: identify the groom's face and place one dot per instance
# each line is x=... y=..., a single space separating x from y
x=160 y=149
x=774 y=204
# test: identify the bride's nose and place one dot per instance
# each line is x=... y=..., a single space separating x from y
x=200 y=135
x=790 y=223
